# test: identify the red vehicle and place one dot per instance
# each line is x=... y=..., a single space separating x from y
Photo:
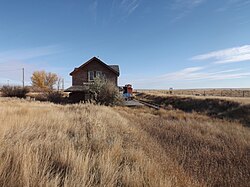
x=128 y=92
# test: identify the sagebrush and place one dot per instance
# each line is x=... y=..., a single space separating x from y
x=105 y=92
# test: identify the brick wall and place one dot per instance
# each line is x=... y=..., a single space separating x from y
x=81 y=75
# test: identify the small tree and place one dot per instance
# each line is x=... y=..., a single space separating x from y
x=43 y=80
x=105 y=92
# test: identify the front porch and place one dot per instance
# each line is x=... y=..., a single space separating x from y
x=79 y=93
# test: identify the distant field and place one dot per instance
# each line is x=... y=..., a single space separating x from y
x=204 y=92
x=210 y=94
x=230 y=108
x=43 y=144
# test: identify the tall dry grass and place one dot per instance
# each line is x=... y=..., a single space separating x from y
x=80 y=145
x=210 y=151
x=85 y=145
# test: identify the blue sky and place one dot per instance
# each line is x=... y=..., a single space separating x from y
x=158 y=44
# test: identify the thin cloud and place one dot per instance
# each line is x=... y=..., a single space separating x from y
x=236 y=54
x=120 y=10
x=181 y=4
x=11 y=71
x=129 y=6
x=190 y=77
x=235 y=4
x=12 y=62
x=184 y=7
x=93 y=8
x=26 y=54
x=199 y=73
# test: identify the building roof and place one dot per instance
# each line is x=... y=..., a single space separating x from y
x=114 y=68
x=82 y=88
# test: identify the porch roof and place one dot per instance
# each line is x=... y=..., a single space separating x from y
x=82 y=88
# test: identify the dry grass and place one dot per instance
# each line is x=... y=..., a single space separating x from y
x=212 y=152
x=79 y=145
x=232 y=110
x=85 y=145
x=225 y=94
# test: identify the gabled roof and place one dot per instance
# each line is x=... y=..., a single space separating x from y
x=114 y=68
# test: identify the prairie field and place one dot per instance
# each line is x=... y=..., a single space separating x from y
x=44 y=144
x=241 y=95
x=231 y=109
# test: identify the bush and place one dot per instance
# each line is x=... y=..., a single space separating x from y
x=50 y=96
x=105 y=92
x=14 y=91
x=40 y=97
x=55 y=97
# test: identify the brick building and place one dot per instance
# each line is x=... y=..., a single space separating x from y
x=84 y=75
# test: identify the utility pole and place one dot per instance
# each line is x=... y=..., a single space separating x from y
x=62 y=83
x=23 y=76
x=58 y=83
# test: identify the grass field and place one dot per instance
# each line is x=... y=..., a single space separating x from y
x=242 y=100
x=243 y=93
x=43 y=144
x=232 y=109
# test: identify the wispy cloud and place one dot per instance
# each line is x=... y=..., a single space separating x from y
x=118 y=10
x=12 y=62
x=238 y=7
x=26 y=54
x=200 y=73
x=11 y=71
x=190 y=77
x=93 y=8
x=235 y=4
x=129 y=6
x=184 y=7
x=236 y=54
x=180 y=4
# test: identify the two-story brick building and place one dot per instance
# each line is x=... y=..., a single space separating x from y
x=84 y=75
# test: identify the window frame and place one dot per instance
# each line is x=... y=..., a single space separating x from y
x=89 y=76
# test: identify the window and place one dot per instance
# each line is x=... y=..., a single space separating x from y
x=91 y=75
x=98 y=74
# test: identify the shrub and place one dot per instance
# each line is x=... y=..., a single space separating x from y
x=14 y=91
x=54 y=96
x=51 y=96
x=105 y=92
x=40 y=97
